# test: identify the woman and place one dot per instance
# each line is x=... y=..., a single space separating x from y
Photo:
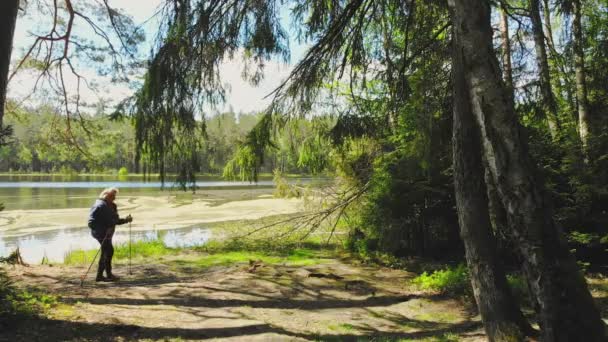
x=103 y=218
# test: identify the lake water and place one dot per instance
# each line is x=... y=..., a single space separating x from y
x=54 y=245
x=66 y=192
x=58 y=192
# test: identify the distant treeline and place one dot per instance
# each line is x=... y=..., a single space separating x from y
x=42 y=142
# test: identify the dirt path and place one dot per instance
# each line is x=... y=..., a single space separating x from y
x=172 y=301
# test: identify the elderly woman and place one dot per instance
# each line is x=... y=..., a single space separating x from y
x=103 y=218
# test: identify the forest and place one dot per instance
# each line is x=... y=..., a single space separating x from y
x=466 y=130
x=109 y=145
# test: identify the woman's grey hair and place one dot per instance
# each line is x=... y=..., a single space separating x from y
x=104 y=194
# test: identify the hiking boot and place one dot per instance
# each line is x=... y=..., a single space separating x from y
x=101 y=278
x=112 y=277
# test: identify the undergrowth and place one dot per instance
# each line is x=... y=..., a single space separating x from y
x=16 y=302
x=455 y=281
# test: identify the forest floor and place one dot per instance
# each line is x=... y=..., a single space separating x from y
x=332 y=298
x=320 y=295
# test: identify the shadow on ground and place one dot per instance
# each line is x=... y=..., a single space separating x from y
x=42 y=329
x=333 y=302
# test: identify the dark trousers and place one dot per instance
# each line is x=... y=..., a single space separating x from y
x=105 y=260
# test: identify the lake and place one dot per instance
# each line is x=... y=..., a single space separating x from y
x=58 y=191
x=45 y=216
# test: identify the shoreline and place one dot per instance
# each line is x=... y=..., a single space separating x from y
x=53 y=232
x=151 y=211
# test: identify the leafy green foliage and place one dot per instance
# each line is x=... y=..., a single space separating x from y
x=456 y=281
x=452 y=280
x=282 y=189
x=183 y=74
x=41 y=145
x=19 y=302
x=38 y=145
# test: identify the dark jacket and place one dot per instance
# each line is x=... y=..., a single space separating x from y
x=103 y=217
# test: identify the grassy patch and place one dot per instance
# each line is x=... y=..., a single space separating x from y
x=18 y=302
x=448 y=337
x=139 y=249
x=451 y=280
x=215 y=253
x=297 y=257
x=233 y=252
x=440 y=317
x=294 y=250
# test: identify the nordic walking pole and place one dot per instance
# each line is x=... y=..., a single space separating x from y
x=130 y=247
x=92 y=262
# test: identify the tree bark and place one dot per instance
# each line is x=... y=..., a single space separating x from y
x=502 y=318
x=507 y=67
x=548 y=100
x=566 y=308
x=8 y=18
x=548 y=26
x=581 y=84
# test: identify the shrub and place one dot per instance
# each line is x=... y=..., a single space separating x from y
x=123 y=171
x=452 y=280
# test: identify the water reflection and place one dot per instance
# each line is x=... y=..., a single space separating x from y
x=54 y=245
x=31 y=192
x=36 y=192
x=101 y=185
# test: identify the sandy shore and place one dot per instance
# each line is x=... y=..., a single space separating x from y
x=160 y=212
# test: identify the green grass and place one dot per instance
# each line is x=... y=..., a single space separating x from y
x=139 y=249
x=214 y=253
x=448 y=337
x=298 y=257
x=21 y=302
x=451 y=280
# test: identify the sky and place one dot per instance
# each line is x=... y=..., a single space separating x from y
x=241 y=97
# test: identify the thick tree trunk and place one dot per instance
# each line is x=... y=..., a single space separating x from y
x=498 y=216
x=8 y=18
x=549 y=104
x=503 y=321
x=567 y=310
x=507 y=68
x=581 y=84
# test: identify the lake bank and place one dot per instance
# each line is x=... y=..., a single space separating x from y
x=51 y=233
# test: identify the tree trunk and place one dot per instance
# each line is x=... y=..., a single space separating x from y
x=548 y=26
x=581 y=85
x=507 y=67
x=499 y=311
x=8 y=18
x=567 y=310
x=548 y=100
